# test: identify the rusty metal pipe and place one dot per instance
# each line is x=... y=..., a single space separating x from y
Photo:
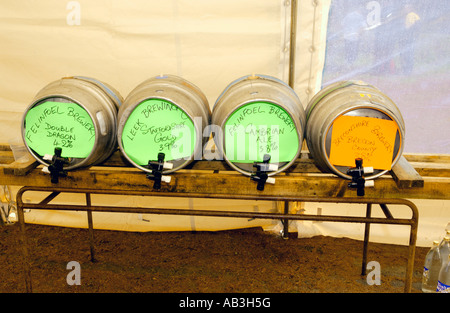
x=49 y=198
x=386 y=211
x=90 y=226
x=366 y=239
x=260 y=215
x=355 y=200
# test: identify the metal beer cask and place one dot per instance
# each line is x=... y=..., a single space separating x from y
x=77 y=114
x=164 y=114
x=259 y=115
x=349 y=98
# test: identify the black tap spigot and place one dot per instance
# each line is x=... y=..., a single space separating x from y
x=358 y=180
x=56 y=166
x=261 y=176
x=157 y=168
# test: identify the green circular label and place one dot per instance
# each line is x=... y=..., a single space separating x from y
x=58 y=124
x=257 y=129
x=158 y=126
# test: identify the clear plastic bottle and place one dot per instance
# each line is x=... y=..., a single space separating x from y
x=447 y=230
x=444 y=249
x=431 y=268
x=443 y=285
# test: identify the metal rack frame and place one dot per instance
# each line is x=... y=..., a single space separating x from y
x=285 y=217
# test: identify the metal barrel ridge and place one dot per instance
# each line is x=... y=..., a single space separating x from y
x=377 y=134
x=76 y=114
x=166 y=115
x=259 y=116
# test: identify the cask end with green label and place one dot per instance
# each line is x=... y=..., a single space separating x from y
x=77 y=115
x=259 y=116
x=166 y=115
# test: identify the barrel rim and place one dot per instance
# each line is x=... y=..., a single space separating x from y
x=328 y=127
x=323 y=93
x=111 y=92
x=251 y=77
x=130 y=109
x=170 y=80
x=56 y=95
x=250 y=101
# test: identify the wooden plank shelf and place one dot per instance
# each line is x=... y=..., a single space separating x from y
x=414 y=177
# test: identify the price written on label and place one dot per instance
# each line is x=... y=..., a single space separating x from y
x=369 y=138
x=257 y=129
x=59 y=124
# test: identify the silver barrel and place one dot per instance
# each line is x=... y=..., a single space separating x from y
x=164 y=114
x=77 y=114
x=259 y=115
x=350 y=98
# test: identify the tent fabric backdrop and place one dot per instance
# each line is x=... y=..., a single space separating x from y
x=209 y=43
x=121 y=43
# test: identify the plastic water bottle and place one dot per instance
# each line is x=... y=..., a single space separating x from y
x=447 y=230
x=431 y=268
x=444 y=249
x=443 y=285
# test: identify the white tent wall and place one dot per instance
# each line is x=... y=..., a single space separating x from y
x=209 y=43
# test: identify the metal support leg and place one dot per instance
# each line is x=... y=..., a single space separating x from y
x=24 y=244
x=286 y=221
x=90 y=225
x=411 y=250
x=366 y=239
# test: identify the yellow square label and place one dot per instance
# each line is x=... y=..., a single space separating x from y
x=369 y=138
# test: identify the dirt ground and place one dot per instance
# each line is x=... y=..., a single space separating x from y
x=237 y=261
